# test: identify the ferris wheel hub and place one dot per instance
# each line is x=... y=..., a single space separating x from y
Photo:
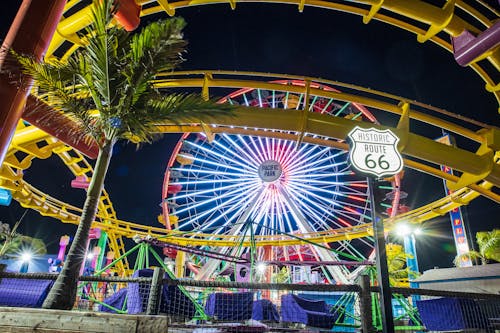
x=270 y=171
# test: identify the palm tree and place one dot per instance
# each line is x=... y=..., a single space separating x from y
x=399 y=273
x=15 y=243
x=105 y=88
x=489 y=248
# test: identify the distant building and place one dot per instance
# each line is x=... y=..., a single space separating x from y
x=474 y=279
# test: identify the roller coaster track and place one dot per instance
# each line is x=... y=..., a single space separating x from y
x=427 y=21
x=29 y=143
x=481 y=170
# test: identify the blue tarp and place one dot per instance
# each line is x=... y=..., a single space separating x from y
x=230 y=306
x=23 y=292
x=450 y=314
x=312 y=313
x=264 y=309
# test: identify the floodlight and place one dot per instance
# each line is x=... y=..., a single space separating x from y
x=418 y=231
x=403 y=230
x=26 y=256
x=261 y=268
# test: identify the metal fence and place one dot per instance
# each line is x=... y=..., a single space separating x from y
x=219 y=306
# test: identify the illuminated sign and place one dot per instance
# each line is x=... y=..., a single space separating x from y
x=457 y=223
x=270 y=171
x=375 y=152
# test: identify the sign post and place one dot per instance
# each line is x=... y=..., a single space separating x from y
x=374 y=152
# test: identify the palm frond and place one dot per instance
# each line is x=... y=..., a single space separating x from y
x=100 y=51
x=472 y=255
x=66 y=106
x=489 y=243
x=158 y=47
x=172 y=108
x=180 y=107
x=53 y=78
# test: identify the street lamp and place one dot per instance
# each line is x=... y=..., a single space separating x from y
x=261 y=268
x=25 y=259
x=408 y=232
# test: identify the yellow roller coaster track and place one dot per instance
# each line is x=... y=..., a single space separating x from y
x=425 y=20
x=29 y=143
x=480 y=174
x=481 y=171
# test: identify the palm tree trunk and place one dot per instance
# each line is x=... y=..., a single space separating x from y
x=63 y=294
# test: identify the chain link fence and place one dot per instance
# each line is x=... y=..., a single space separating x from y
x=218 y=306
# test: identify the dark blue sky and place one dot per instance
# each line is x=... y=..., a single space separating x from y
x=279 y=39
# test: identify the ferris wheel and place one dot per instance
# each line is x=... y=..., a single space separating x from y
x=270 y=187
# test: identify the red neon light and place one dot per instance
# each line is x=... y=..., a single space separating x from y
x=352 y=210
x=358 y=185
x=353 y=197
x=344 y=222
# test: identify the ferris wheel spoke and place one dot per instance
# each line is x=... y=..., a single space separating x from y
x=235 y=192
x=318 y=166
x=198 y=193
x=213 y=153
x=214 y=163
x=231 y=199
x=228 y=147
x=264 y=144
x=310 y=157
x=352 y=217
x=285 y=214
x=333 y=212
x=262 y=147
x=294 y=155
x=209 y=172
x=333 y=193
x=274 y=153
x=325 y=211
x=311 y=191
x=282 y=147
x=211 y=181
x=351 y=189
x=244 y=152
x=243 y=212
x=257 y=157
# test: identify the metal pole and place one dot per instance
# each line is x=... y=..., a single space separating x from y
x=382 y=271
x=155 y=292
x=365 y=305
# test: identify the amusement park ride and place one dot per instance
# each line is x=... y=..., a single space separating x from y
x=274 y=186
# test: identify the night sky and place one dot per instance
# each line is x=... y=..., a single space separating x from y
x=279 y=39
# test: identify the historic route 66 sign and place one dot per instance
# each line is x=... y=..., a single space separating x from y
x=375 y=152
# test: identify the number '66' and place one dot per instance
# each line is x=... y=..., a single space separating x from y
x=372 y=164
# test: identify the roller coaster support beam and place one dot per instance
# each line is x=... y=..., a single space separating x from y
x=468 y=49
x=30 y=34
x=480 y=164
